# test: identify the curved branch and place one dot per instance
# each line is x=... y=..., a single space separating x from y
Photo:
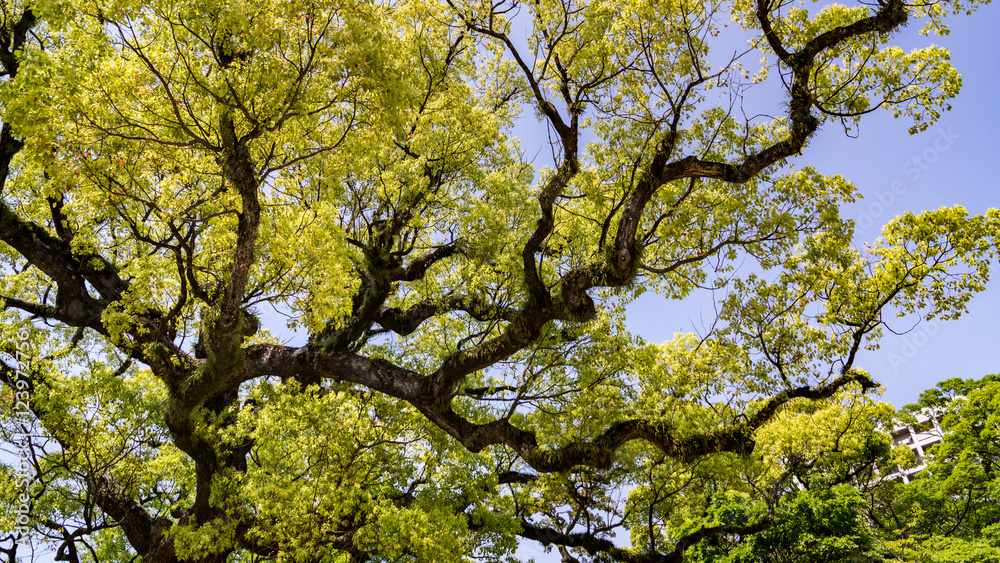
x=310 y=366
x=145 y=532
x=405 y=321
x=802 y=124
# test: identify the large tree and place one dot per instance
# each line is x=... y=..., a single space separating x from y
x=176 y=177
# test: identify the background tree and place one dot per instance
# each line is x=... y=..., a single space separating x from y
x=829 y=453
x=950 y=512
x=461 y=378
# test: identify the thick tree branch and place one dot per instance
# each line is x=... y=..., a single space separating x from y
x=406 y=321
x=12 y=41
x=238 y=169
x=802 y=124
x=313 y=365
x=145 y=533
x=418 y=267
x=587 y=542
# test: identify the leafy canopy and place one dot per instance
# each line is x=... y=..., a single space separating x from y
x=175 y=177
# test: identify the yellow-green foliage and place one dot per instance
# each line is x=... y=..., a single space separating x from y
x=450 y=206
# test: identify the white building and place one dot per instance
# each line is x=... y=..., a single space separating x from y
x=920 y=437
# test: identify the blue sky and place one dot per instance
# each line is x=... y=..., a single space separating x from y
x=955 y=162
